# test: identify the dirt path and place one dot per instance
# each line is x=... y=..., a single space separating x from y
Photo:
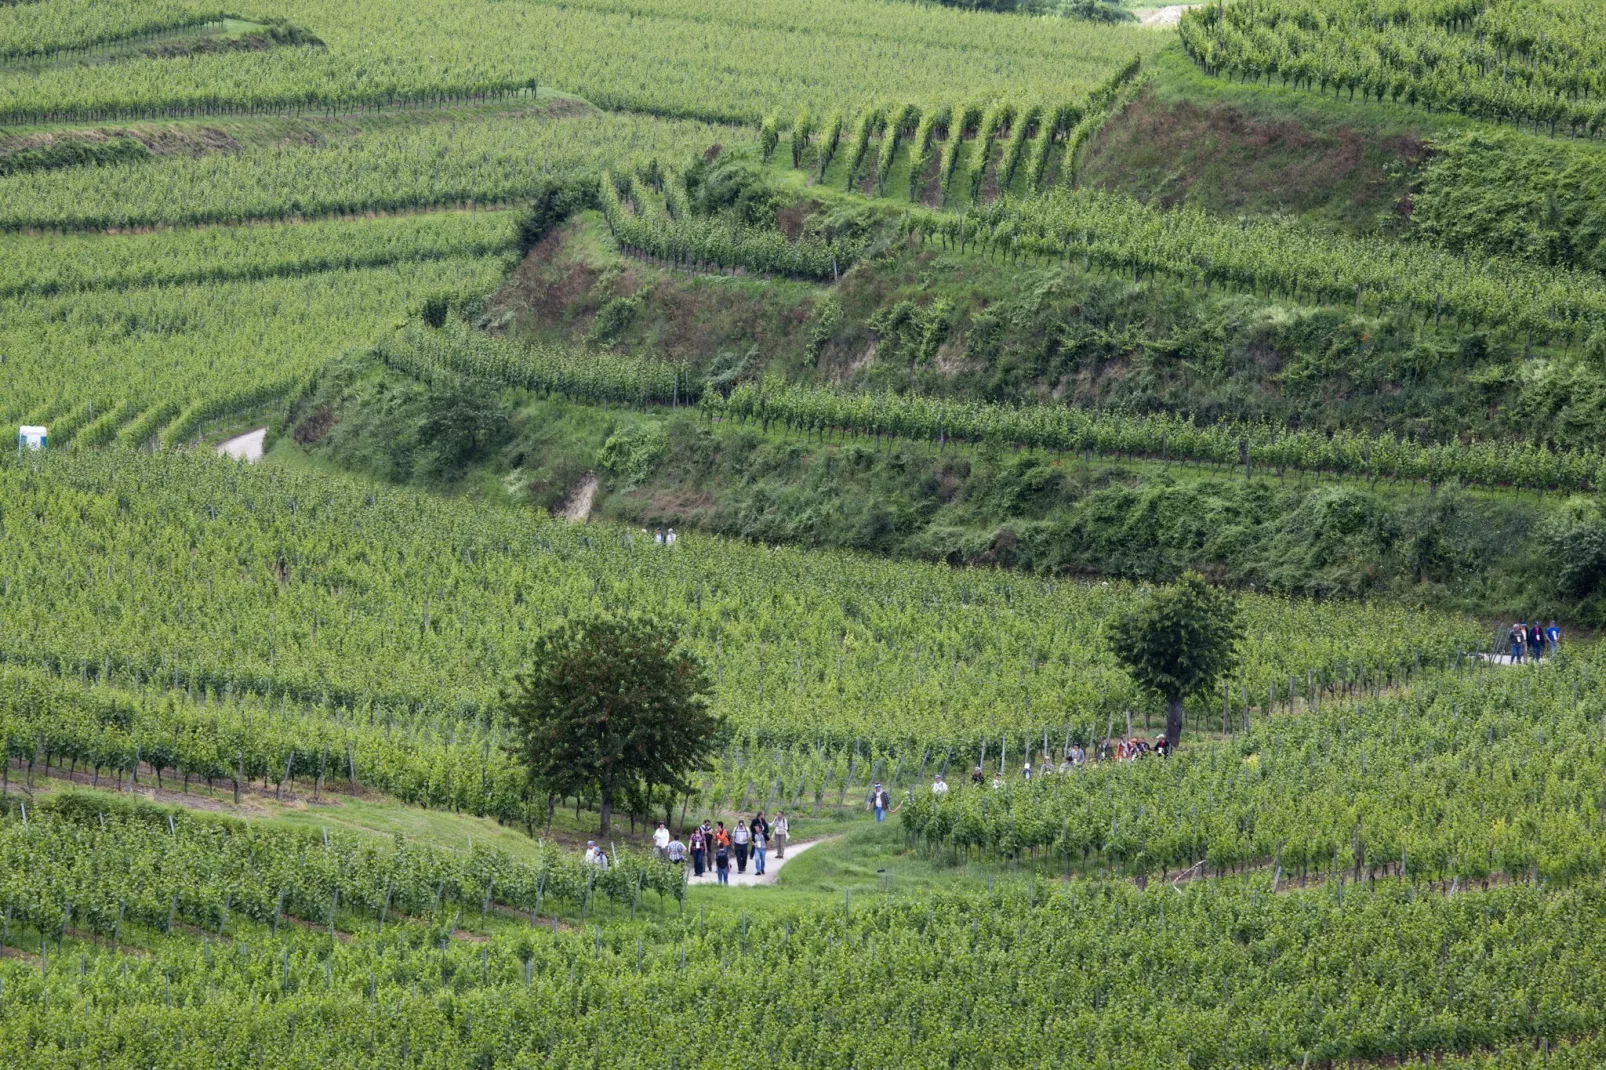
x=577 y=510
x=246 y=447
x=771 y=870
x=1163 y=17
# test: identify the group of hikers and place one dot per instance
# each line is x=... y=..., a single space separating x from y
x=714 y=847
x=1121 y=750
x=1533 y=640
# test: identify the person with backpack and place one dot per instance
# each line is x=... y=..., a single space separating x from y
x=1536 y=641
x=722 y=861
x=1517 y=637
x=740 y=839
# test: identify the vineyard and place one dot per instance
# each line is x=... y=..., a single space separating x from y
x=1527 y=64
x=262 y=802
x=680 y=58
x=202 y=576
x=455 y=351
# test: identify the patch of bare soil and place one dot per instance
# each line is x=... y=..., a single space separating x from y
x=311 y=431
x=577 y=508
x=545 y=286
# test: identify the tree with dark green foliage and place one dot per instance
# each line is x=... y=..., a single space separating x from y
x=610 y=705
x=1178 y=642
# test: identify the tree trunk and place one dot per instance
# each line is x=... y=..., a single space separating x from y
x=1173 y=721
x=607 y=809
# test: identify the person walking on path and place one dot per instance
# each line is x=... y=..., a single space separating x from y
x=677 y=852
x=722 y=862
x=976 y=777
x=1536 y=641
x=660 y=842
x=760 y=841
x=1518 y=638
x=780 y=830
x=699 y=852
x=939 y=786
x=1553 y=638
x=741 y=839
x=879 y=801
x=759 y=824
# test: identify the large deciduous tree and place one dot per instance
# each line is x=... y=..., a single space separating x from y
x=611 y=704
x=1178 y=642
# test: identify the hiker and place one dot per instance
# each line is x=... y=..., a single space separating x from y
x=1046 y=766
x=1553 y=638
x=670 y=537
x=708 y=837
x=660 y=842
x=759 y=824
x=760 y=842
x=1026 y=771
x=879 y=801
x=998 y=781
x=741 y=838
x=779 y=831
x=699 y=852
x=1162 y=747
x=976 y=778
x=1536 y=641
x=677 y=852
x=595 y=855
x=1518 y=639
x=722 y=861
x=1078 y=755
x=939 y=786
x=658 y=536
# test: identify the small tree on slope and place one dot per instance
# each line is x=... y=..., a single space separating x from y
x=1178 y=642
x=611 y=705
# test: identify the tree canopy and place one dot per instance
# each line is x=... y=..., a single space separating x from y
x=1178 y=642
x=611 y=705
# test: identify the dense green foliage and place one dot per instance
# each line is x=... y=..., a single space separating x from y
x=1220 y=976
x=1501 y=193
x=212 y=348
x=1179 y=642
x=124 y=863
x=1503 y=61
x=656 y=57
x=496 y=161
x=197 y=571
x=610 y=705
x=1464 y=777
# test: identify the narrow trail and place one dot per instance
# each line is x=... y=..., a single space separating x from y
x=246 y=447
x=771 y=870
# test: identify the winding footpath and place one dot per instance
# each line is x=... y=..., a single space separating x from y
x=771 y=870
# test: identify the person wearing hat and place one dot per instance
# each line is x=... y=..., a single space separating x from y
x=879 y=801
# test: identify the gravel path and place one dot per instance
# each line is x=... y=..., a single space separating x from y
x=247 y=447
x=771 y=869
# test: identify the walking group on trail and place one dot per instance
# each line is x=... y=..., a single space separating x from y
x=715 y=847
x=1533 y=640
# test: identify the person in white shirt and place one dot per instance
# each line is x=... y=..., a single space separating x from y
x=595 y=855
x=741 y=838
x=670 y=537
x=778 y=833
x=660 y=842
x=939 y=786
